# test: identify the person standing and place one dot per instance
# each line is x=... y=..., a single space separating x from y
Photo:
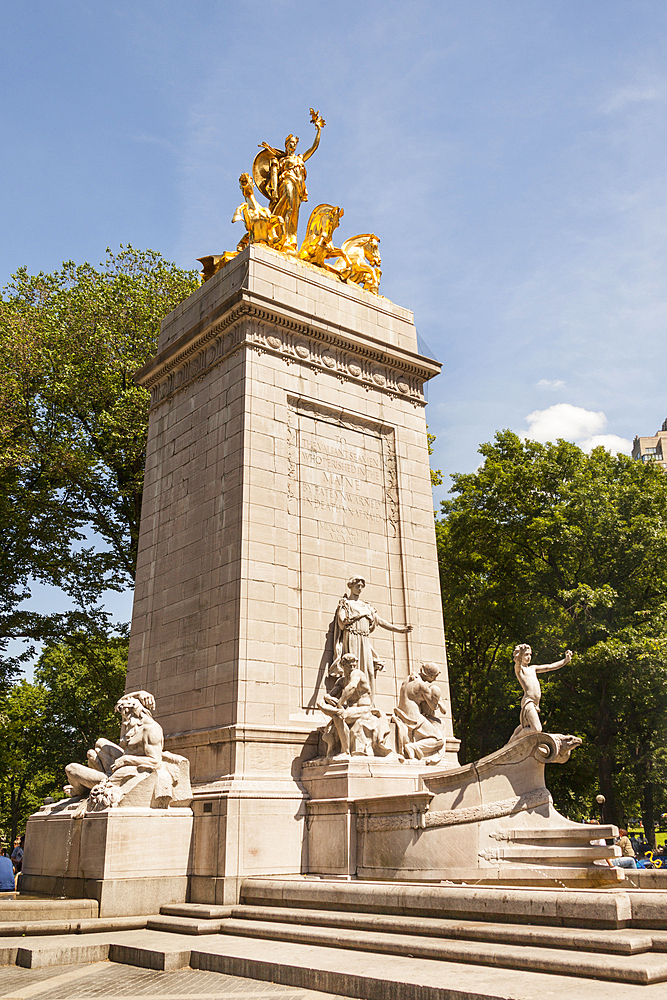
x=17 y=854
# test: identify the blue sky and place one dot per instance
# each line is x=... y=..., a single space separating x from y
x=510 y=154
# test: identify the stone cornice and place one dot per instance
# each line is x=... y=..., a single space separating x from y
x=250 y=320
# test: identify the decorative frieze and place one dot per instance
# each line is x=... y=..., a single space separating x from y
x=245 y=325
x=421 y=818
x=358 y=365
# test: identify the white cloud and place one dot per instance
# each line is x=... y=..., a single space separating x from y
x=629 y=95
x=564 y=421
x=574 y=423
x=612 y=442
x=548 y=383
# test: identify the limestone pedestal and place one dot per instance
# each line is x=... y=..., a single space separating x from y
x=491 y=821
x=133 y=861
x=286 y=450
x=334 y=786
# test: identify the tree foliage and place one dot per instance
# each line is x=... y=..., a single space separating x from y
x=73 y=432
x=436 y=474
x=549 y=545
x=72 y=446
x=27 y=749
x=48 y=724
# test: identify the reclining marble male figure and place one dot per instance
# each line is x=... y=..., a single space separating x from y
x=138 y=772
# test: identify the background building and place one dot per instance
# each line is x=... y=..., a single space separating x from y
x=651 y=449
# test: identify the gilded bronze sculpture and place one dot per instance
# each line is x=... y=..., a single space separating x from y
x=361 y=261
x=261 y=225
x=317 y=246
x=280 y=175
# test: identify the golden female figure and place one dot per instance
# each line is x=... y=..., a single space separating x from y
x=280 y=174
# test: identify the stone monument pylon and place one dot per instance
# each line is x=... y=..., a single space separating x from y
x=287 y=450
x=287 y=622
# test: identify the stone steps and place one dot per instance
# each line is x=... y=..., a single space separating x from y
x=23 y=907
x=202 y=911
x=589 y=908
x=620 y=942
x=144 y=948
x=19 y=928
x=412 y=968
x=185 y=925
x=343 y=971
x=643 y=968
x=325 y=934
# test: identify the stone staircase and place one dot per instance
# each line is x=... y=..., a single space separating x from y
x=375 y=939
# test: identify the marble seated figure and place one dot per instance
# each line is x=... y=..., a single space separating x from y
x=137 y=771
x=357 y=728
x=418 y=728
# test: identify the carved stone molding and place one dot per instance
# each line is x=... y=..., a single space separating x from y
x=349 y=362
x=382 y=369
x=452 y=817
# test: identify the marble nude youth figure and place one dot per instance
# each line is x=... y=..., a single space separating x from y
x=355 y=621
x=526 y=673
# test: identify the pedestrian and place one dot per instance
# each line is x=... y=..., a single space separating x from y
x=17 y=854
x=6 y=874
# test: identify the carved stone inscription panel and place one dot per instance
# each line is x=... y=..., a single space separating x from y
x=343 y=506
x=341 y=477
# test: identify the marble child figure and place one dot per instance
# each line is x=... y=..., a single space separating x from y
x=355 y=621
x=526 y=673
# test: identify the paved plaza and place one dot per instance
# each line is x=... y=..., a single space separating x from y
x=108 y=979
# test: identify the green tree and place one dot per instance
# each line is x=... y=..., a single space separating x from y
x=436 y=474
x=549 y=545
x=83 y=678
x=46 y=725
x=73 y=433
x=27 y=750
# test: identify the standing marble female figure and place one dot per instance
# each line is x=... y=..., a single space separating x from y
x=355 y=621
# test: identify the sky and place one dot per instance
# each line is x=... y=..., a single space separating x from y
x=510 y=154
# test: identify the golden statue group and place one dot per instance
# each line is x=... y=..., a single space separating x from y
x=280 y=175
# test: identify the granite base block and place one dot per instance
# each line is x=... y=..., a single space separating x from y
x=131 y=860
x=117 y=897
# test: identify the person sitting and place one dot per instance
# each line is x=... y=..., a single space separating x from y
x=7 y=883
x=627 y=859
